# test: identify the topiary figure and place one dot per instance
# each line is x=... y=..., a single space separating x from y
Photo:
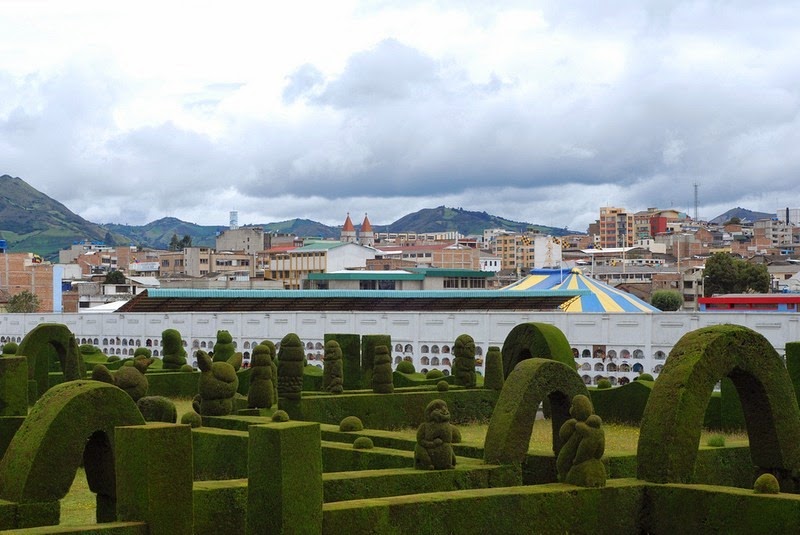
x=10 y=348
x=290 y=367
x=405 y=366
x=434 y=374
x=192 y=418
x=442 y=386
x=767 y=484
x=274 y=359
x=644 y=377
x=225 y=350
x=142 y=352
x=494 y=377
x=363 y=443
x=603 y=384
x=262 y=383
x=280 y=416
x=332 y=375
x=158 y=409
x=131 y=378
x=464 y=362
x=173 y=353
x=351 y=423
x=435 y=436
x=382 y=379
x=217 y=388
x=584 y=442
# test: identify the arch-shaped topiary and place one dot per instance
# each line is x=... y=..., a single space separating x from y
x=535 y=340
x=511 y=425
x=673 y=418
x=49 y=342
x=73 y=422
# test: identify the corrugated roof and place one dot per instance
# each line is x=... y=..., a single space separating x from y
x=367 y=275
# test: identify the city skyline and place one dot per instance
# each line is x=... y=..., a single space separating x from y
x=536 y=112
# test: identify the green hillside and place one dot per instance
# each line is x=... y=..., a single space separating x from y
x=442 y=219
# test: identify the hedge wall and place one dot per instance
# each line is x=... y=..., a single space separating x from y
x=622 y=404
x=338 y=457
x=219 y=453
x=219 y=506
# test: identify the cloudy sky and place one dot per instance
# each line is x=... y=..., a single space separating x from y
x=535 y=111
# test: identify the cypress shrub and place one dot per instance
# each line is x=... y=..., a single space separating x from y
x=766 y=484
x=442 y=386
x=332 y=380
x=368 y=344
x=142 y=352
x=351 y=423
x=602 y=384
x=274 y=364
x=494 y=369
x=10 y=348
x=187 y=368
x=434 y=374
x=280 y=416
x=382 y=380
x=217 y=387
x=406 y=366
x=350 y=344
x=173 y=354
x=644 y=377
x=158 y=409
x=223 y=347
x=464 y=362
x=363 y=443
x=193 y=419
x=262 y=390
x=113 y=358
x=290 y=367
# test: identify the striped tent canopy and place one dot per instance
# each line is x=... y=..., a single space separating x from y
x=600 y=298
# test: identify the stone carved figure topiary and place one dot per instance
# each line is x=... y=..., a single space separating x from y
x=382 y=378
x=435 y=436
x=464 y=362
x=290 y=367
x=583 y=440
x=131 y=379
x=274 y=360
x=217 y=388
x=173 y=353
x=225 y=350
x=333 y=372
x=262 y=388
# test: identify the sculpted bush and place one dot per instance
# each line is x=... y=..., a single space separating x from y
x=583 y=440
x=158 y=409
x=225 y=350
x=464 y=362
x=290 y=367
x=435 y=436
x=173 y=353
x=333 y=371
x=494 y=369
x=192 y=418
x=405 y=366
x=131 y=378
x=262 y=388
x=217 y=388
x=351 y=423
x=382 y=379
x=10 y=348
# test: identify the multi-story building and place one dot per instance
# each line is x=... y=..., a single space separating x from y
x=772 y=235
x=28 y=272
x=202 y=261
x=293 y=266
x=617 y=227
x=247 y=240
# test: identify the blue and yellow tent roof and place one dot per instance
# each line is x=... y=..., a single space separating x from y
x=601 y=296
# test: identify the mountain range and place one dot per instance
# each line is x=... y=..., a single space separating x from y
x=31 y=221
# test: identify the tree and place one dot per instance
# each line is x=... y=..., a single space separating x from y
x=23 y=302
x=115 y=277
x=185 y=242
x=725 y=274
x=666 y=300
x=174 y=243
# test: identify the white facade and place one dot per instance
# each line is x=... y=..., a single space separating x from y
x=627 y=341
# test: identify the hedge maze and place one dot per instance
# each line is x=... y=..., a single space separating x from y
x=303 y=453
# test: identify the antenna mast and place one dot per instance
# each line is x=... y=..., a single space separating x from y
x=696 y=186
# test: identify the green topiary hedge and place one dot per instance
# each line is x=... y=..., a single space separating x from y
x=290 y=367
x=332 y=380
x=158 y=409
x=493 y=369
x=382 y=379
x=350 y=344
x=368 y=344
x=173 y=354
x=535 y=340
x=51 y=343
x=405 y=366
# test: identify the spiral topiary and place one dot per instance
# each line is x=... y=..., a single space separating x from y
x=464 y=362
x=173 y=353
x=382 y=379
x=351 y=423
x=363 y=443
x=262 y=388
x=603 y=384
x=217 y=388
x=332 y=375
x=442 y=386
x=767 y=484
x=434 y=374
x=494 y=377
x=158 y=409
x=405 y=366
x=10 y=348
x=578 y=462
x=280 y=416
x=192 y=418
x=290 y=367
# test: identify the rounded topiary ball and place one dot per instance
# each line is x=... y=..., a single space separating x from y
x=351 y=423
x=442 y=386
x=766 y=484
x=406 y=366
x=112 y=358
x=434 y=374
x=10 y=348
x=192 y=418
x=644 y=377
x=603 y=384
x=363 y=443
x=187 y=368
x=280 y=416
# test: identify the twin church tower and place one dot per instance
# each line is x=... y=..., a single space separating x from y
x=365 y=235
